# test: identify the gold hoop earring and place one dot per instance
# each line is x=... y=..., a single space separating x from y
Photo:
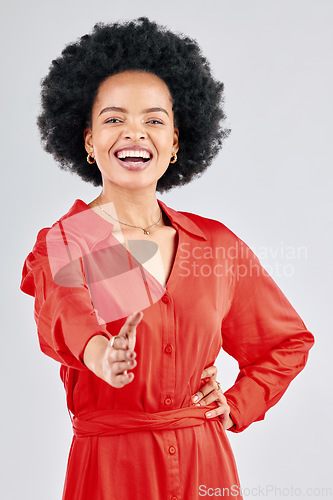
x=173 y=158
x=90 y=159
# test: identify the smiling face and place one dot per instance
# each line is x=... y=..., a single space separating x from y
x=132 y=134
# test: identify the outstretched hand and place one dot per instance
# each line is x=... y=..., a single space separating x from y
x=111 y=359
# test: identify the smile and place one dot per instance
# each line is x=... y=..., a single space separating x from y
x=134 y=163
x=134 y=157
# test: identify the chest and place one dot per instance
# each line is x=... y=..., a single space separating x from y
x=167 y=242
x=161 y=251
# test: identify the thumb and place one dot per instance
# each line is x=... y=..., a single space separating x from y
x=129 y=327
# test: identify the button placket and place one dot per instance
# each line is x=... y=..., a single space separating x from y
x=168 y=368
x=168 y=385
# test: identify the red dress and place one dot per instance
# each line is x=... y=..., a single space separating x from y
x=146 y=440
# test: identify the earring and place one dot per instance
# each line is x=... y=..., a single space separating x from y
x=173 y=158
x=90 y=159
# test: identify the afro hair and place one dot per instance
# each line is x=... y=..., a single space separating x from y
x=70 y=88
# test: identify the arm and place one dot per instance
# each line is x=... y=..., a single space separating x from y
x=264 y=333
x=65 y=317
x=68 y=327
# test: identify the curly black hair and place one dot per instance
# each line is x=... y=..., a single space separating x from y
x=70 y=88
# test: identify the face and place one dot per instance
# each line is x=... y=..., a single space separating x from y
x=132 y=134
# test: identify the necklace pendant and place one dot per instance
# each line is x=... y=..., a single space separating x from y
x=146 y=232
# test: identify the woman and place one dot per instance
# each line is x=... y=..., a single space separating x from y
x=134 y=108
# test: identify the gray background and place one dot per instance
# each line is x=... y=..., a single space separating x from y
x=271 y=184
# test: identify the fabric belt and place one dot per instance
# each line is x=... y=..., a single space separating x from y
x=112 y=422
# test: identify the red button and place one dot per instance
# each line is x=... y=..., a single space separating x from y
x=168 y=349
x=165 y=299
x=172 y=450
x=168 y=401
x=174 y=498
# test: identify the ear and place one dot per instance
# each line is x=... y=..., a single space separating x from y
x=176 y=140
x=88 y=143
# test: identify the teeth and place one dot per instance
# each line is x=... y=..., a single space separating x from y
x=133 y=154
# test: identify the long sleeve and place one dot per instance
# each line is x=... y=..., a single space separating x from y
x=65 y=317
x=264 y=333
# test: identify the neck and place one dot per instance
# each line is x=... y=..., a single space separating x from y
x=139 y=208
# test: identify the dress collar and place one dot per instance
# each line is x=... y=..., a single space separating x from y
x=179 y=219
x=183 y=221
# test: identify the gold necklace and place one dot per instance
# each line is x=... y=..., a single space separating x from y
x=144 y=229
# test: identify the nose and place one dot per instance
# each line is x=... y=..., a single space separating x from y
x=135 y=131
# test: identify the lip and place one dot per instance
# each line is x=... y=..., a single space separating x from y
x=138 y=166
x=129 y=165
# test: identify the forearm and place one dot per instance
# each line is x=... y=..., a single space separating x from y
x=260 y=385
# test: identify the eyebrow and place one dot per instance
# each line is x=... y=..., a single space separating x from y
x=123 y=110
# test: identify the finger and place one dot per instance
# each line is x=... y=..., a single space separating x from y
x=204 y=390
x=123 y=379
x=210 y=398
x=197 y=397
x=120 y=355
x=210 y=371
x=223 y=407
x=128 y=330
x=120 y=342
x=131 y=323
x=222 y=412
x=120 y=367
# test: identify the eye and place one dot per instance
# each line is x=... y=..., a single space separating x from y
x=155 y=121
x=112 y=120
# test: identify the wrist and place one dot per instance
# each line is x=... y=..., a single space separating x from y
x=230 y=423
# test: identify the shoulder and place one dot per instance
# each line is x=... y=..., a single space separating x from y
x=55 y=228
x=212 y=228
x=51 y=243
x=222 y=239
